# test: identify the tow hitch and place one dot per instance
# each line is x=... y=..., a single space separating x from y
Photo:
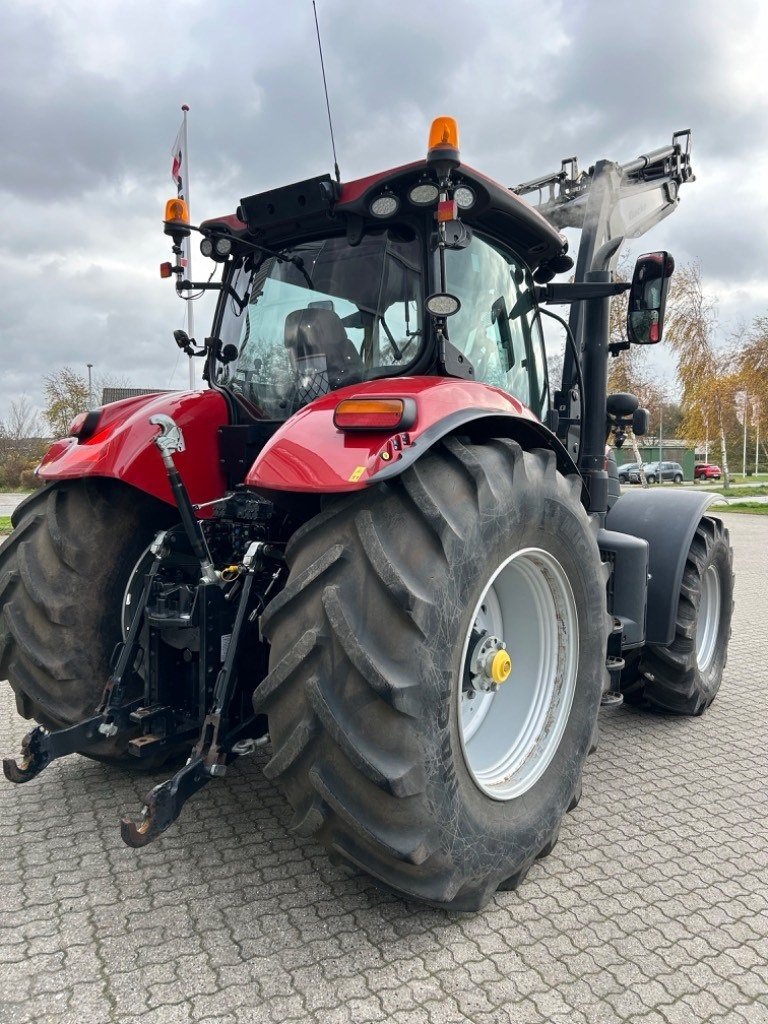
x=166 y=713
x=218 y=738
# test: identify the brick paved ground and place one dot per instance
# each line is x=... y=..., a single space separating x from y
x=653 y=908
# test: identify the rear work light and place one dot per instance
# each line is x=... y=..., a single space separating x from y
x=375 y=414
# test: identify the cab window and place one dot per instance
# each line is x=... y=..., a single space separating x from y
x=497 y=328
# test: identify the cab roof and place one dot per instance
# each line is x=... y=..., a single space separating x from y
x=306 y=207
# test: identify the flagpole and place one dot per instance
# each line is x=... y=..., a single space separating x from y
x=188 y=246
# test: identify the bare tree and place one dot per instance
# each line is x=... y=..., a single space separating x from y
x=21 y=445
x=23 y=420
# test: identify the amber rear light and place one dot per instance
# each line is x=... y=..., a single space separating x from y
x=374 y=414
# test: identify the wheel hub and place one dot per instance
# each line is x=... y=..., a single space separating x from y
x=510 y=733
x=490 y=664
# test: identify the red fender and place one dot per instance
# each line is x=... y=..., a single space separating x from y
x=308 y=453
x=122 y=447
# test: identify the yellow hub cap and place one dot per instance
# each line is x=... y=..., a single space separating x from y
x=501 y=667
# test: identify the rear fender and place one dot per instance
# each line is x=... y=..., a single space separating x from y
x=309 y=454
x=122 y=446
x=667 y=520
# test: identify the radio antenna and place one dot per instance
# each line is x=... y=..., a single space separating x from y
x=327 y=102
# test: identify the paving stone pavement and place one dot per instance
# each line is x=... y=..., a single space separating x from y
x=653 y=907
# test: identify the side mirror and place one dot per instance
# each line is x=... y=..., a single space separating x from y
x=648 y=298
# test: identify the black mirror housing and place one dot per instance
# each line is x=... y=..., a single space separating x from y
x=641 y=421
x=648 y=298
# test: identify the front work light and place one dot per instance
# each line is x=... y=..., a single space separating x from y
x=223 y=246
x=375 y=414
x=465 y=197
x=385 y=206
x=423 y=194
x=206 y=247
x=442 y=304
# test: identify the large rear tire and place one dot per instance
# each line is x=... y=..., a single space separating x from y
x=367 y=671
x=684 y=678
x=63 y=574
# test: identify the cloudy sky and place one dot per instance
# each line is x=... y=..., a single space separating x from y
x=90 y=106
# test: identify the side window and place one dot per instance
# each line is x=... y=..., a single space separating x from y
x=497 y=327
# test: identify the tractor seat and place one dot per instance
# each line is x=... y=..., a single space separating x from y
x=316 y=332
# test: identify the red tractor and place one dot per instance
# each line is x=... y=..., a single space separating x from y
x=378 y=542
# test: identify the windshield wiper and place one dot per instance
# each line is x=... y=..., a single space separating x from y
x=395 y=347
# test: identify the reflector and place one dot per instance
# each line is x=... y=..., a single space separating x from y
x=447 y=210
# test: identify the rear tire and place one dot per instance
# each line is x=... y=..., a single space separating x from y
x=678 y=479
x=684 y=678
x=63 y=572
x=364 y=694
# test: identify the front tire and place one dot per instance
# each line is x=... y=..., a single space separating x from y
x=366 y=674
x=684 y=678
x=63 y=573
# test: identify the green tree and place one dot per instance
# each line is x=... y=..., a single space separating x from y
x=752 y=361
x=66 y=395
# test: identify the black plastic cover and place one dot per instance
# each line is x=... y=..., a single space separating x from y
x=289 y=203
x=667 y=519
x=627 y=586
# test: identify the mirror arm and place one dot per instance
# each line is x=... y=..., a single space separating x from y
x=562 y=293
x=211 y=286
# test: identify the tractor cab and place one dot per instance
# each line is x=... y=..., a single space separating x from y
x=426 y=269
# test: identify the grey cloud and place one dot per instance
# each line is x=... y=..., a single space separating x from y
x=88 y=118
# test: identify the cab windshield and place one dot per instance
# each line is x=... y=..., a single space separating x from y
x=323 y=315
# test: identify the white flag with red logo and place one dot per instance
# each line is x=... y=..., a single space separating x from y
x=179 y=164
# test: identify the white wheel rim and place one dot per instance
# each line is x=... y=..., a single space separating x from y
x=509 y=736
x=708 y=621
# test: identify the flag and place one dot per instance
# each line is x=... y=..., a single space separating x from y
x=179 y=164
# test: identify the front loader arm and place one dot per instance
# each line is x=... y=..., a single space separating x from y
x=609 y=203
x=610 y=200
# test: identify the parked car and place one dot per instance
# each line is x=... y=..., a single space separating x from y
x=656 y=471
x=626 y=470
x=707 y=471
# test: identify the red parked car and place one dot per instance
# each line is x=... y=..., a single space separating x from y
x=707 y=471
